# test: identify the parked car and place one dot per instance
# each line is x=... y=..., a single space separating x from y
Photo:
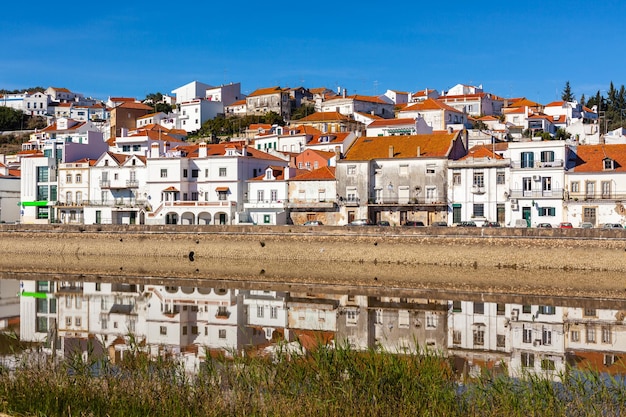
x=384 y=223
x=468 y=223
x=544 y=226
x=565 y=225
x=414 y=223
x=313 y=223
x=439 y=224
x=521 y=223
x=612 y=226
x=491 y=224
x=586 y=225
x=359 y=222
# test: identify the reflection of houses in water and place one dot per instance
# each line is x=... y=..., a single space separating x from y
x=406 y=324
x=192 y=323
x=596 y=339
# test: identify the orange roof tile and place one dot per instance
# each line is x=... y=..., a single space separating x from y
x=265 y=91
x=591 y=158
x=524 y=102
x=482 y=151
x=392 y=122
x=323 y=116
x=323 y=173
x=555 y=104
x=134 y=106
x=488 y=118
x=429 y=105
x=436 y=144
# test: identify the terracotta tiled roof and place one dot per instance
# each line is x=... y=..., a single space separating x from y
x=238 y=103
x=437 y=144
x=588 y=110
x=118 y=157
x=265 y=91
x=422 y=93
x=555 y=104
x=482 y=151
x=488 y=119
x=392 y=122
x=524 y=102
x=62 y=90
x=429 y=105
x=120 y=99
x=54 y=128
x=332 y=138
x=369 y=115
x=134 y=106
x=323 y=173
x=591 y=158
x=323 y=116
x=15 y=172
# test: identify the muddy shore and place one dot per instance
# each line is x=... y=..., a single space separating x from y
x=543 y=266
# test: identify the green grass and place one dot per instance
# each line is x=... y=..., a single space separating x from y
x=326 y=381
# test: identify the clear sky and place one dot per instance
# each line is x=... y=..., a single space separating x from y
x=130 y=49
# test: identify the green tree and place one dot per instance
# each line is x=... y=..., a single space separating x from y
x=156 y=101
x=582 y=100
x=303 y=111
x=11 y=119
x=562 y=134
x=567 y=95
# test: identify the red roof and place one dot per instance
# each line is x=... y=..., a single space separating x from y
x=436 y=144
x=591 y=158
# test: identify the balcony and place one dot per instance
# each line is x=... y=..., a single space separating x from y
x=599 y=197
x=557 y=163
x=415 y=201
x=118 y=184
x=314 y=203
x=265 y=204
x=478 y=190
x=538 y=194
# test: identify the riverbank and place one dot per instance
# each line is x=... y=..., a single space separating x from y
x=344 y=256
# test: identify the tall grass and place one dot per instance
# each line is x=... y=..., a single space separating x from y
x=329 y=381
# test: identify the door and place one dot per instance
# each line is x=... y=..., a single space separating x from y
x=222 y=218
x=526 y=215
x=350 y=216
x=589 y=215
x=456 y=213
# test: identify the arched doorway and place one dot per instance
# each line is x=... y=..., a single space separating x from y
x=171 y=218
x=204 y=218
x=187 y=218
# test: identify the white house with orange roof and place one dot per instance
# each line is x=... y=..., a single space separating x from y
x=396 y=97
x=284 y=139
x=271 y=99
x=365 y=119
x=268 y=196
x=475 y=104
x=312 y=195
x=423 y=95
x=516 y=115
x=437 y=115
x=141 y=141
x=238 y=108
x=33 y=103
x=595 y=183
x=398 y=178
x=117 y=190
x=478 y=184
x=348 y=105
x=94 y=112
x=311 y=159
x=203 y=184
x=331 y=142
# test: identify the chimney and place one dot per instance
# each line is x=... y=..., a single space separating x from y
x=202 y=150
x=244 y=150
x=419 y=152
x=390 y=151
x=337 y=153
x=344 y=93
x=287 y=173
x=154 y=150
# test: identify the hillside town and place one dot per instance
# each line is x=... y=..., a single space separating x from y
x=464 y=156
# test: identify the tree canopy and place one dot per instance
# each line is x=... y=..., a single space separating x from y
x=567 y=95
x=227 y=127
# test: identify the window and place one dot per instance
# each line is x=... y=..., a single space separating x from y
x=77 y=321
x=68 y=178
x=79 y=303
x=547 y=364
x=79 y=178
x=456 y=178
x=104 y=323
x=163 y=172
x=606 y=189
x=430 y=169
x=222 y=195
x=479 y=210
x=591 y=334
x=267 y=219
x=260 y=311
x=68 y=197
x=195 y=173
x=273 y=312
x=589 y=312
x=194 y=196
x=42 y=174
x=273 y=195
x=547 y=211
x=68 y=321
x=547 y=156
x=527 y=334
x=403 y=319
x=500 y=309
x=126 y=148
x=163 y=330
x=609 y=359
x=500 y=340
x=500 y=177
x=222 y=172
x=606 y=334
x=479 y=308
x=185 y=173
x=526 y=309
x=590 y=188
x=351 y=317
x=456 y=307
x=479 y=337
x=42 y=193
x=546 y=336
x=431 y=320
x=222 y=333
x=546 y=183
x=575 y=336
x=479 y=179
x=184 y=330
x=351 y=170
x=527 y=184
x=136 y=148
x=351 y=194
x=528 y=160
x=608 y=164
x=527 y=360
x=575 y=187
x=549 y=310
x=42 y=212
x=194 y=329
x=456 y=337
x=260 y=196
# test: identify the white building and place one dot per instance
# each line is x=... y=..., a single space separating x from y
x=537 y=181
x=436 y=114
x=268 y=195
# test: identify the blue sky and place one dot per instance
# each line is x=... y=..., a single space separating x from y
x=129 y=49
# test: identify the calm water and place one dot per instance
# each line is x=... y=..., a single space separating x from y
x=511 y=333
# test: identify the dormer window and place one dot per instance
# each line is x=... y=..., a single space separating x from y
x=609 y=164
x=268 y=174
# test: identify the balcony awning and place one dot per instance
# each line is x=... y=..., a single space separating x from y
x=171 y=189
x=222 y=189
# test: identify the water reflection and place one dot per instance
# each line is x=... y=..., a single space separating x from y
x=512 y=334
